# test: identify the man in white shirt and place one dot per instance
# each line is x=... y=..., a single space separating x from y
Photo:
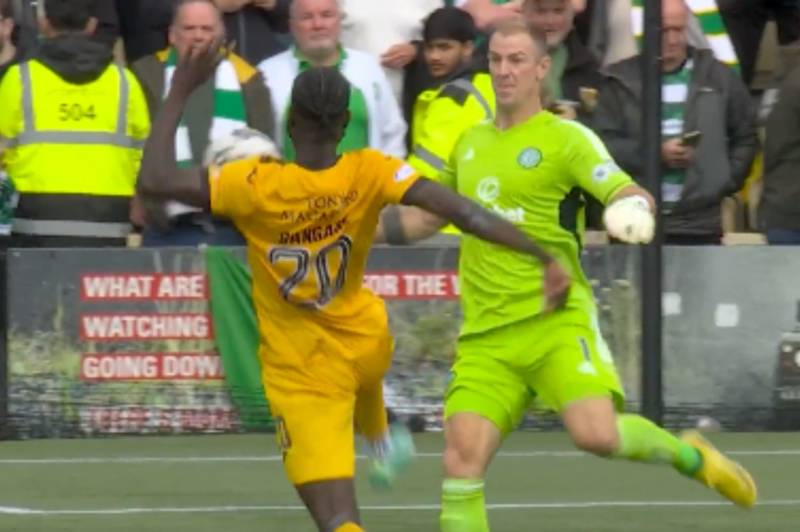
x=376 y=121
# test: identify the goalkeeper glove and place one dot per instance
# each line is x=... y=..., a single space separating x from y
x=630 y=219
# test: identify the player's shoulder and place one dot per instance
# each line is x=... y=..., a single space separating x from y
x=572 y=135
x=259 y=171
x=477 y=133
x=567 y=128
x=369 y=157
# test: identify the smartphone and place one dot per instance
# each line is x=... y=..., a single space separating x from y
x=588 y=98
x=691 y=139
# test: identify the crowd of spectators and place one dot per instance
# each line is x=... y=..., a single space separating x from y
x=82 y=80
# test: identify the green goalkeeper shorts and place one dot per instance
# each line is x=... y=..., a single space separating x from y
x=554 y=359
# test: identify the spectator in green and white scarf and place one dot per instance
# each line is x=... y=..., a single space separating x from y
x=235 y=97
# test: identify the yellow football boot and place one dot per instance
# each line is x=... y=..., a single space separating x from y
x=722 y=474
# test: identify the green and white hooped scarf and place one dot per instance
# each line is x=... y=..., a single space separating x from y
x=228 y=115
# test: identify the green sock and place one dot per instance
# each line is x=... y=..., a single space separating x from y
x=641 y=440
x=463 y=506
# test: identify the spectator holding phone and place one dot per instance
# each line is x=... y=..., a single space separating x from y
x=707 y=125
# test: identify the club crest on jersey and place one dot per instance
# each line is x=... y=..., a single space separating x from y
x=488 y=189
x=529 y=158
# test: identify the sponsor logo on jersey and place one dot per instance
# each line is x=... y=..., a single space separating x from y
x=403 y=173
x=312 y=235
x=529 y=158
x=602 y=171
x=488 y=189
x=513 y=215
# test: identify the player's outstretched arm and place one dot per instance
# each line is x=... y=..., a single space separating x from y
x=474 y=219
x=403 y=224
x=159 y=175
x=630 y=217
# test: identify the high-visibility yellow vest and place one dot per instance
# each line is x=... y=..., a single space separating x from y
x=74 y=149
x=441 y=115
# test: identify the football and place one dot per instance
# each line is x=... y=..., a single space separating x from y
x=239 y=144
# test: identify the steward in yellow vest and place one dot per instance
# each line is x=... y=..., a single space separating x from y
x=75 y=124
x=463 y=98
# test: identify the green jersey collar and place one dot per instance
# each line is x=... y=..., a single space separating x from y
x=305 y=63
x=541 y=116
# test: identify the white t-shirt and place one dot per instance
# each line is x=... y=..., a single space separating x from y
x=374 y=26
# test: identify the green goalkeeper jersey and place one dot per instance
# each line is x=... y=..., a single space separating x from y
x=533 y=175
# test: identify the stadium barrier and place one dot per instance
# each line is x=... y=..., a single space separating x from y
x=108 y=341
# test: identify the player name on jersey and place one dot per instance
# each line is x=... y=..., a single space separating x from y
x=156 y=286
x=109 y=327
x=413 y=285
x=150 y=366
x=314 y=234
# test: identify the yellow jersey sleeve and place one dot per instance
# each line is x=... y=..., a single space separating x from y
x=232 y=188
x=395 y=177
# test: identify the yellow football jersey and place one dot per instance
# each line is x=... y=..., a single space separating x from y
x=309 y=234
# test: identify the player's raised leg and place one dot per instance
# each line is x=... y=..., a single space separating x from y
x=390 y=448
x=595 y=427
x=579 y=379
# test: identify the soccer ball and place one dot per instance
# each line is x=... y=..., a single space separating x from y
x=708 y=424
x=239 y=144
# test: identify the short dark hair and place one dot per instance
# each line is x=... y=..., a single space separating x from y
x=321 y=95
x=450 y=23
x=69 y=15
x=5 y=9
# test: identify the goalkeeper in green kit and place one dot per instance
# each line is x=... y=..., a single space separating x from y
x=531 y=168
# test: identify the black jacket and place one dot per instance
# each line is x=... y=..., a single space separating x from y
x=780 y=201
x=718 y=106
x=582 y=69
x=259 y=34
x=143 y=26
x=27 y=30
x=74 y=58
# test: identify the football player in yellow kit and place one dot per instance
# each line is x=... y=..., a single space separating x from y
x=325 y=340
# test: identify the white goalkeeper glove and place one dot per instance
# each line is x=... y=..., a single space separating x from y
x=630 y=219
